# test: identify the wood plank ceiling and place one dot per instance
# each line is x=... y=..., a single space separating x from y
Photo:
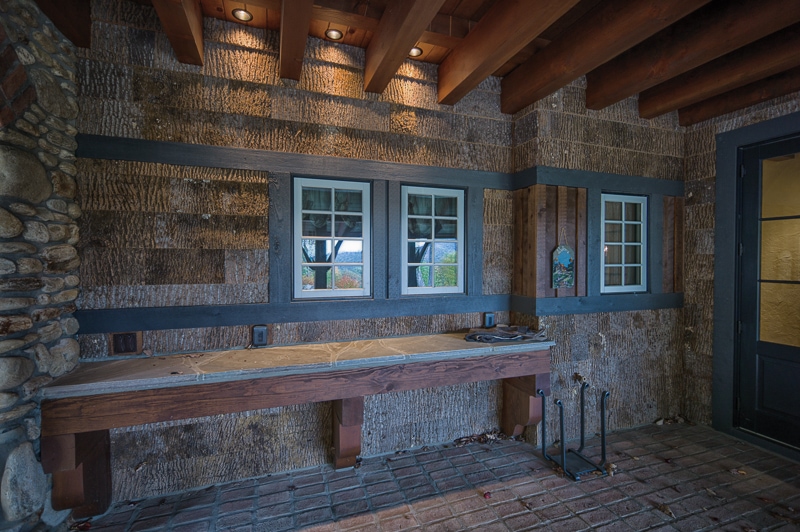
x=703 y=58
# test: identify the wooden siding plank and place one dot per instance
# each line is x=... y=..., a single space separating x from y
x=679 y=243
x=668 y=245
x=580 y=242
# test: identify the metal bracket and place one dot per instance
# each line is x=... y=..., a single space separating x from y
x=572 y=461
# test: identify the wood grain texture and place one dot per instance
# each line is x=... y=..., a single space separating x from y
x=182 y=21
x=668 y=245
x=101 y=412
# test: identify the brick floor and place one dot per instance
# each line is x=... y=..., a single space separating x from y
x=668 y=478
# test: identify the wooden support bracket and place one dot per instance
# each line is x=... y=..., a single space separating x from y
x=521 y=404
x=348 y=416
x=81 y=468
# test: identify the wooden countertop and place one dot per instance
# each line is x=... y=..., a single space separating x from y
x=93 y=378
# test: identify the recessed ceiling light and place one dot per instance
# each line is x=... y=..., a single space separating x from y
x=334 y=34
x=415 y=52
x=242 y=14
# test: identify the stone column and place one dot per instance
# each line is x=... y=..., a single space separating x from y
x=39 y=262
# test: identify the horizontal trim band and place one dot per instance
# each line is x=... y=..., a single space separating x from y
x=552 y=306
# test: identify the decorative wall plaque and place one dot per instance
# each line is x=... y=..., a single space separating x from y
x=563 y=264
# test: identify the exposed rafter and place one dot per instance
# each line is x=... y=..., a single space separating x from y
x=503 y=31
x=604 y=32
x=295 y=17
x=401 y=25
x=182 y=21
x=711 y=32
x=760 y=91
x=71 y=17
x=769 y=56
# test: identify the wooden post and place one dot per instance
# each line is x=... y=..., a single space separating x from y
x=81 y=468
x=348 y=416
x=521 y=404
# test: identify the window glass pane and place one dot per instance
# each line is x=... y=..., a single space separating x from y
x=633 y=212
x=446 y=229
x=316 y=224
x=613 y=276
x=633 y=254
x=633 y=233
x=419 y=276
x=780 y=187
x=613 y=254
x=613 y=210
x=445 y=275
x=348 y=226
x=446 y=206
x=613 y=232
x=316 y=277
x=419 y=252
x=316 y=250
x=348 y=201
x=316 y=199
x=446 y=253
x=419 y=228
x=349 y=277
x=633 y=275
x=780 y=250
x=349 y=251
x=419 y=205
x=780 y=307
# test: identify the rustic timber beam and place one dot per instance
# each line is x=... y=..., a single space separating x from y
x=769 y=56
x=401 y=25
x=760 y=91
x=295 y=18
x=182 y=21
x=503 y=32
x=707 y=34
x=603 y=33
x=73 y=18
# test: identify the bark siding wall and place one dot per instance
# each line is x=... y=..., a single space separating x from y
x=637 y=356
x=163 y=235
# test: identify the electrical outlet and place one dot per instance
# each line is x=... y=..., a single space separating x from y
x=126 y=343
x=488 y=320
x=260 y=336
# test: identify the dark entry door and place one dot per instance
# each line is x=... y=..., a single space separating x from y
x=769 y=291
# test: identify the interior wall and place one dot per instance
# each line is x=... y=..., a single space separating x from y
x=700 y=233
x=165 y=235
x=638 y=355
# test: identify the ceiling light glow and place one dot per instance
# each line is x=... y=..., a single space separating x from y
x=334 y=34
x=415 y=52
x=242 y=14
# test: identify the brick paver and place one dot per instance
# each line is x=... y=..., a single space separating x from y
x=676 y=477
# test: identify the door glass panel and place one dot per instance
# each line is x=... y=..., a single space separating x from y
x=780 y=250
x=780 y=313
x=780 y=187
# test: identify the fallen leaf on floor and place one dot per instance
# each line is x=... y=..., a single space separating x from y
x=147 y=352
x=611 y=469
x=663 y=508
x=635 y=457
x=738 y=471
x=487 y=495
x=765 y=500
x=139 y=466
x=660 y=421
x=83 y=525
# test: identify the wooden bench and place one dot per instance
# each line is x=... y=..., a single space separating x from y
x=79 y=409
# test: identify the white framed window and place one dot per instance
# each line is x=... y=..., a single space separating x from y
x=624 y=233
x=331 y=238
x=433 y=240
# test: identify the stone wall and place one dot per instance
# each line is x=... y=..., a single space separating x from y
x=38 y=257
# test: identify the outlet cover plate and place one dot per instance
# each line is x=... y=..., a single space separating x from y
x=260 y=336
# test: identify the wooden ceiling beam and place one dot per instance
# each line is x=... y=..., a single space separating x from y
x=73 y=18
x=752 y=94
x=295 y=18
x=502 y=33
x=769 y=56
x=182 y=21
x=602 y=33
x=711 y=32
x=402 y=23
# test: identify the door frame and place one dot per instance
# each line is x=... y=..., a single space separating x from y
x=726 y=279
